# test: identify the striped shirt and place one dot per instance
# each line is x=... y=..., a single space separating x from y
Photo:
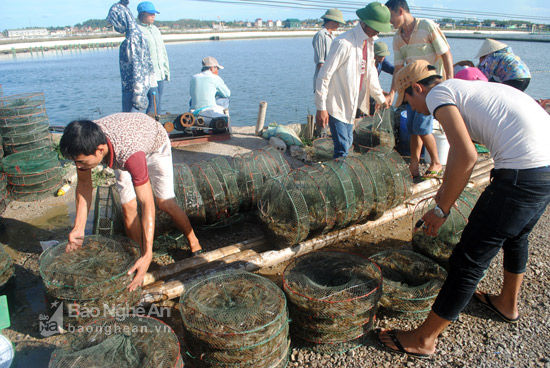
x=427 y=42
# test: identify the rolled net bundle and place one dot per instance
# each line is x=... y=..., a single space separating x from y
x=283 y=167
x=235 y=319
x=339 y=180
x=440 y=247
x=136 y=341
x=108 y=217
x=92 y=276
x=284 y=212
x=323 y=149
x=411 y=282
x=228 y=178
x=6 y=266
x=22 y=104
x=363 y=188
x=375 y=131
x=333 y=298
x=250 y=180
x=318 y=196
x=212 y=192
x=188 y=195
x=23 y=123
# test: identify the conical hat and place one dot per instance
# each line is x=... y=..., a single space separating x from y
x=490 y=46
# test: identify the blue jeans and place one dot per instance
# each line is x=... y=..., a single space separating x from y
x=158 y=97
x=342 y=136
x=417 y=123
x=503 y=217
x=127 y=105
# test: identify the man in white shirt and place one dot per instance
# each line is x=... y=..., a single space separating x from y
x=515 y=129
x=349 y=77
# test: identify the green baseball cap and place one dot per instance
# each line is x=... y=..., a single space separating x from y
x=335 y=15
x=381 y=49
x=376 y=16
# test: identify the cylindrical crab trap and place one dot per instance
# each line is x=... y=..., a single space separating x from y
x=338 y=178
x=228 y=179
x=19 y=142
x=4 y=194
x=33 y=174
x=323 y=149
x=318 y=196
x=108 y=217
x=333 y=298
x=21 y=105
x=411 y=282
x=187 y=194
x=6 y=266
x=440 y=247
x=94 y=275
x=375 y=131
x=250 y=180
x=212 y=192
x=363 y=188
x=284 y=212
x=278 y=159
x=136 y=341
x=235 y=319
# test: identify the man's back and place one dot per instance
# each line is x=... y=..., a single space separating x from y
x=205 y=87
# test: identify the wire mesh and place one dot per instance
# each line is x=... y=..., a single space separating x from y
x=22 y=104
x=342 y=189
x=212 y=192
x=333 y=298
x=39 y=132
x=284 y=212
x=228 y=178
x=318 y=195
x=187 y=194
x=39 y=190
x=249 y=179
x=136 y=341
x=411 y=282
x=108 y=217
x=283 y=167
x=43 y=143
x=375 y=131
x=34 y=178
x=30 y=162
x=6 y=266
x=363 y=188
x=22 y=124
x=4 y=194
x=402 y=178
x=323 y=149
x=235 y=319
x=440 y=247
x=376 y=176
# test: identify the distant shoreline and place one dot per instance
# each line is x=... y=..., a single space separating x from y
x=37 y=45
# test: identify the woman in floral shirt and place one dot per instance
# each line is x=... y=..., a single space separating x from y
x=499 y=64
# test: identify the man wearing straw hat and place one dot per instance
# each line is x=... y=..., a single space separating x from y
x=333 y=18
x=498 y=63
x=349 y=77
x=515 y=130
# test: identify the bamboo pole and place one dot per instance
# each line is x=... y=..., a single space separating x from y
x=261 y=117
x=310 y=128
x=188 y=263
x=176 y=287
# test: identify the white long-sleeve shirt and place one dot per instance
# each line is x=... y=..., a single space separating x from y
x=337 y=88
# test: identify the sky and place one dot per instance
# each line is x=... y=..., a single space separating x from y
x=41 y=13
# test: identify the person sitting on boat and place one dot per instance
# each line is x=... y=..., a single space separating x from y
x=499 y=64
x=209 y=93
x=138 y=148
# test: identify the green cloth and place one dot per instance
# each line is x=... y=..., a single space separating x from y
x=481 y=149
x=159 y=56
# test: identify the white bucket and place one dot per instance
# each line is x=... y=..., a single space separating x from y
x=442 y=145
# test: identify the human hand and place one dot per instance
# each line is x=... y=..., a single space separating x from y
x=76 y=237
x=141 y=266
x=322 y=118
x=429 y=223
x=389 y=98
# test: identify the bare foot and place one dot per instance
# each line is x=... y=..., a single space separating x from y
x=408 y=341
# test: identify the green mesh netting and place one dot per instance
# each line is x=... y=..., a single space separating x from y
x=440 y=247
x=34 y=178
x=39 y=132
x=187 y=194
x=401 y=183
x=48 y=187
x=333 y=298
x=323 y=149
x=228 y=178
x=22 y=104
x=96 y=270
x=212 y=192
x=375 y=131
x=4 y=194
x=44 y=143
x=136 y=341
x=318 y=196
x=283 y=167
x=362 y=186
x=6 y=266
x=284 y=212
x=22 y=124
x=30 y=162
x=108 y=217
x=335 y=173
x=250 y=180
x=235 y=319
x=411 y=282
x=376 y=176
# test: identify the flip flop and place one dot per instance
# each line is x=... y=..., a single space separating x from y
x=487 y=303
x=400 y=348
x=196 y=253
x=431 y=174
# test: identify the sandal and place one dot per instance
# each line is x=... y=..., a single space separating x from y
x=196 y=253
